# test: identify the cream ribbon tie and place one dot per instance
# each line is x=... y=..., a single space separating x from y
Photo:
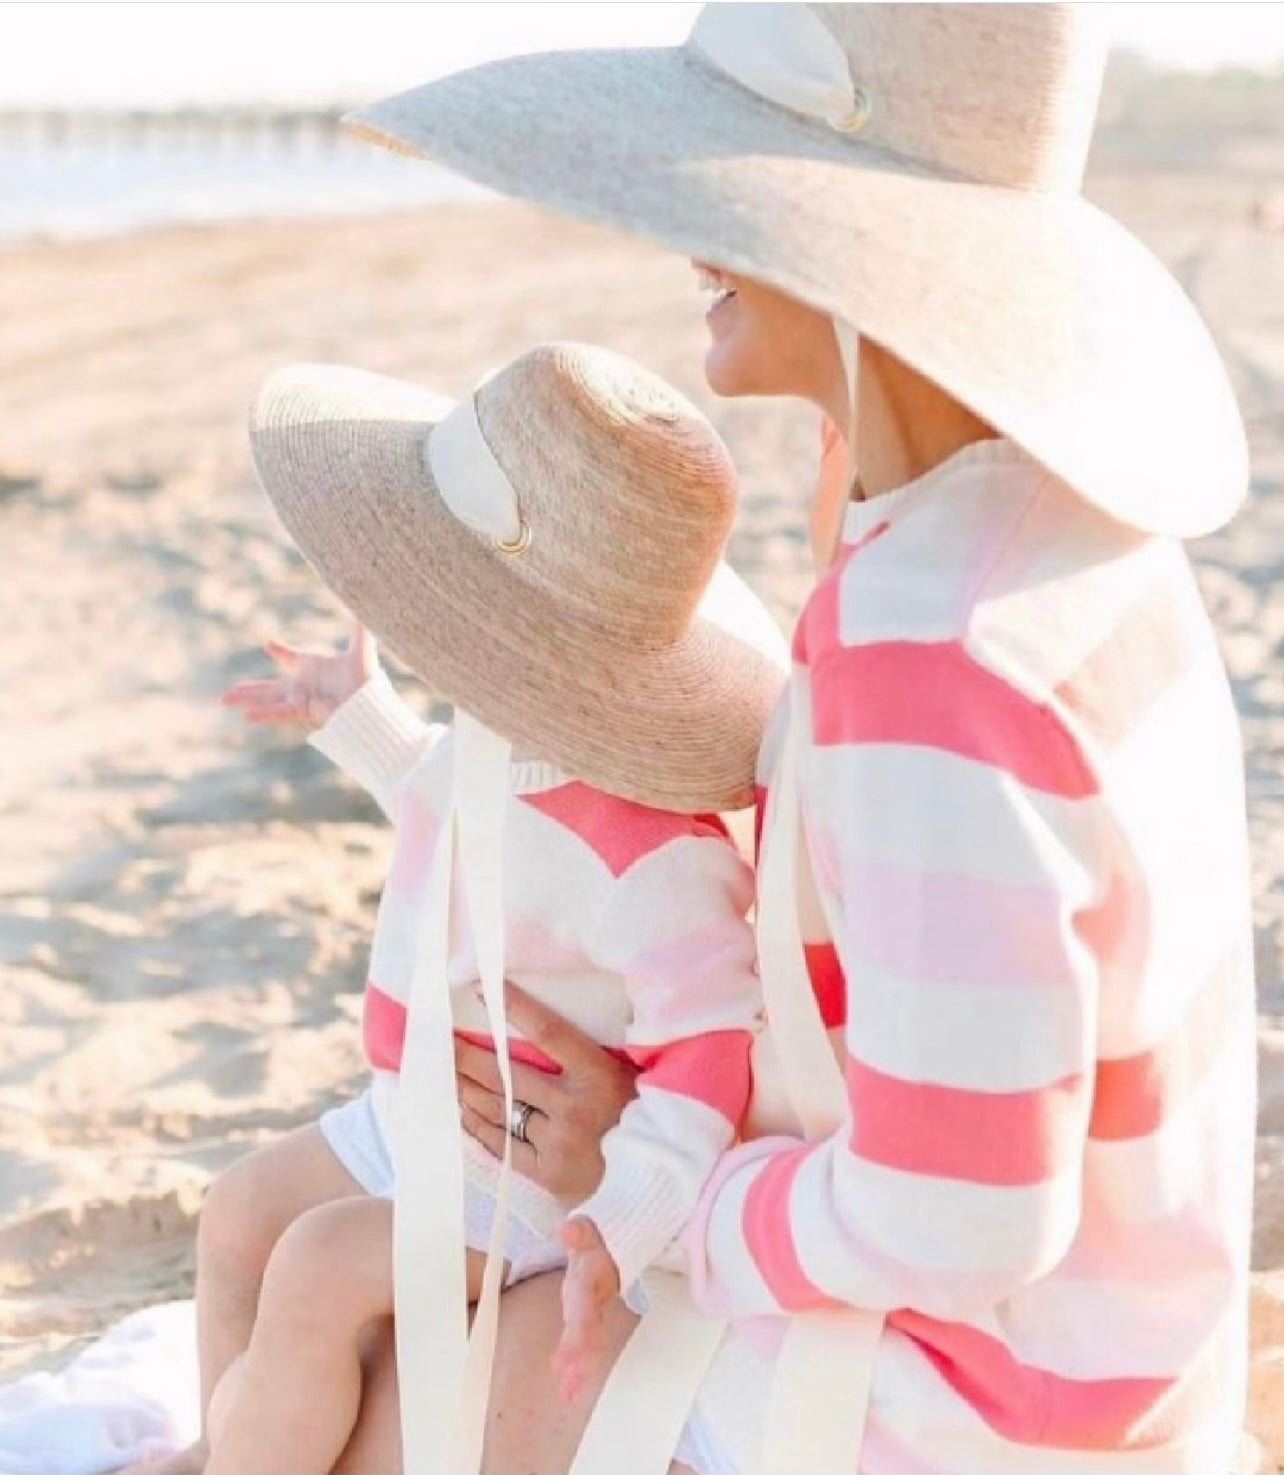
x=812 y=1080
x=784 y=54
x=431 y=1301
x=823 y=1377
x=482 y=761
x=444 y=1373
x=471 y=481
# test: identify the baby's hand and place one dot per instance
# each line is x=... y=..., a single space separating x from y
x=592 y=1282
x=314 y=683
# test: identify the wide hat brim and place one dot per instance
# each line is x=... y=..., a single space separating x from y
x=342 y=457
x=1039 y=312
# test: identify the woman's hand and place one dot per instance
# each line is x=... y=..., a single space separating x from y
x=313 y=683
x=573 y=1110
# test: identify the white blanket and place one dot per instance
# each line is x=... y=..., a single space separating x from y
x=131 y=1395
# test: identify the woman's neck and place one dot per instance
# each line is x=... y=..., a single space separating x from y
x=905 y=424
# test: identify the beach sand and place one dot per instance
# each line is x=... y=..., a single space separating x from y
x=185 y=906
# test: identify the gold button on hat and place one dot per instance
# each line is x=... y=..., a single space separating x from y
x=518 y=545
x=856 y=119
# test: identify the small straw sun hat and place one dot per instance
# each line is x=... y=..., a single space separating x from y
x=915 y=171
x=545 y=554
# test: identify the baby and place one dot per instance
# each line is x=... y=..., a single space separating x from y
x=546 y=556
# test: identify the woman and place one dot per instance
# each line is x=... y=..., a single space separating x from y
x=1022 y=890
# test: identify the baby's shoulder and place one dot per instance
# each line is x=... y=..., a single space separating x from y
x=620 y=832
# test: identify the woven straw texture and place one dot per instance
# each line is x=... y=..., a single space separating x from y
x=950 y=230
x=588 y=649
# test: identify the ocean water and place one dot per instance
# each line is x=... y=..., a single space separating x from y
x=97 y=186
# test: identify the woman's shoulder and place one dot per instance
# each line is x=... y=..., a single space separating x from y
x=1071 y=589
x=994 y=554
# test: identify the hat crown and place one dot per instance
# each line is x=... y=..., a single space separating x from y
x=626 y=488
x=996 y=94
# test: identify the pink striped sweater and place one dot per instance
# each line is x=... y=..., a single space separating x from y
x=1022 y=798
x=628 y=921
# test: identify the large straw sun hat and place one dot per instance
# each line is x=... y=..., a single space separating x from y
x=914 y=170
x=545 y=554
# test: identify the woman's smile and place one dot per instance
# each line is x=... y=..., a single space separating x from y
x=709 y=279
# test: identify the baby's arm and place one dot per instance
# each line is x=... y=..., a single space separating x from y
x=359 y=721
x=676 y=930
x=376 y=739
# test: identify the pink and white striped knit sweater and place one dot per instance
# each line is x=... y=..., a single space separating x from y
x=1022 y=796
x=628 y=921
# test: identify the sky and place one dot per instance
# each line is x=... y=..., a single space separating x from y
x=149 y=53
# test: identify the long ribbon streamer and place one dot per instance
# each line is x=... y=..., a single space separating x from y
x=482 y=785
x=640 y=1414
x=823 y=1377
x=444 y=1373
x=431 y=1301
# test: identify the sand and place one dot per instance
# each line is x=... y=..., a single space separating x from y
x=185 y=906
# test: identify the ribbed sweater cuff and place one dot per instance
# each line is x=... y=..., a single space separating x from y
x=375 y=737
x=639 y=1211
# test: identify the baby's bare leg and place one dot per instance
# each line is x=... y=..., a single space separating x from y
x=290 y=1403
x=246 y=1211
x=529 y=1427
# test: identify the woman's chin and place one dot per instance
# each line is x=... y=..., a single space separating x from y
x=724 y=370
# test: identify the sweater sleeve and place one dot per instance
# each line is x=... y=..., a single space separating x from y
x=676 y=930
x=376 y=739
x=961 y=830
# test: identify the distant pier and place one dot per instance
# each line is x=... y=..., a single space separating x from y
x=255 y=130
